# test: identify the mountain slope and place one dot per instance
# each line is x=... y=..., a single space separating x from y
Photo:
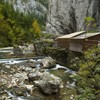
x=18 y=26
x=28 y=6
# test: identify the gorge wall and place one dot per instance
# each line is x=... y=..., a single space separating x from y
x=66 y=16
x=28 y=6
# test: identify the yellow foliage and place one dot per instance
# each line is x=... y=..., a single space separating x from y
x=36 y=27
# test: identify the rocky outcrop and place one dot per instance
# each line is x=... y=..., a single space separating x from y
x=66 y=16
x=49 y=83
x=22 y=50
x=28 y=6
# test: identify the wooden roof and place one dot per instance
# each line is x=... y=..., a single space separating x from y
x=86 y=35
x=71 y=35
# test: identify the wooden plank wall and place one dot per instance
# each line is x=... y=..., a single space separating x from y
x=91 y=41
x=63 y=43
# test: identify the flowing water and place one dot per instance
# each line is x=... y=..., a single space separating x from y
x=63 y=72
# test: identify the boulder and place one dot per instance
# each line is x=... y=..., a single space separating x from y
x=30 y=48
x=32 y=76
x=48 y=83
x=48 y=62
x=29 y=87
x=21 y=75
x=22 y=50
x=20 y=91
x=32 y=63
x=17 y=50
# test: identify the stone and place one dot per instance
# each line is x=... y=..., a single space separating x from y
x=7 y=66
x=30 y=48
x=23 y=50
x=29 y=87
x=66 y=16
x=48 y=83
x=20 y=91
x=32 y=76
x=17 y=50
x=32 y=64
x=21 y=75
x=48 y=62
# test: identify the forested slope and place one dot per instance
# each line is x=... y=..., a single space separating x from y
x=17 y=27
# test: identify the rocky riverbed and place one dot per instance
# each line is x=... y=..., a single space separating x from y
x=38 y=78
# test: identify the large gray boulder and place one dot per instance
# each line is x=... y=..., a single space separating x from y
x=48 y=83
x=66 y=16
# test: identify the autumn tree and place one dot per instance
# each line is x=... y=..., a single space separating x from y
x=35 y=30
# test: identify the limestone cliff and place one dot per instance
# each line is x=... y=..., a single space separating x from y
x=28 y=6
x=65 y=16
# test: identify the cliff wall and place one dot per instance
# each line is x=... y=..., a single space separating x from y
x=66 y=16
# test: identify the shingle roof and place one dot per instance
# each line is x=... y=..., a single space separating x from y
x=71 y=35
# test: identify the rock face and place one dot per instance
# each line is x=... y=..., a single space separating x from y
x=66 y=16
x=28 y=6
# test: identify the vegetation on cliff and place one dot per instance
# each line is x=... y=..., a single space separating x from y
x=16 y=27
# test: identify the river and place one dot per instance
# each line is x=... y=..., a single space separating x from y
x=12 y=93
